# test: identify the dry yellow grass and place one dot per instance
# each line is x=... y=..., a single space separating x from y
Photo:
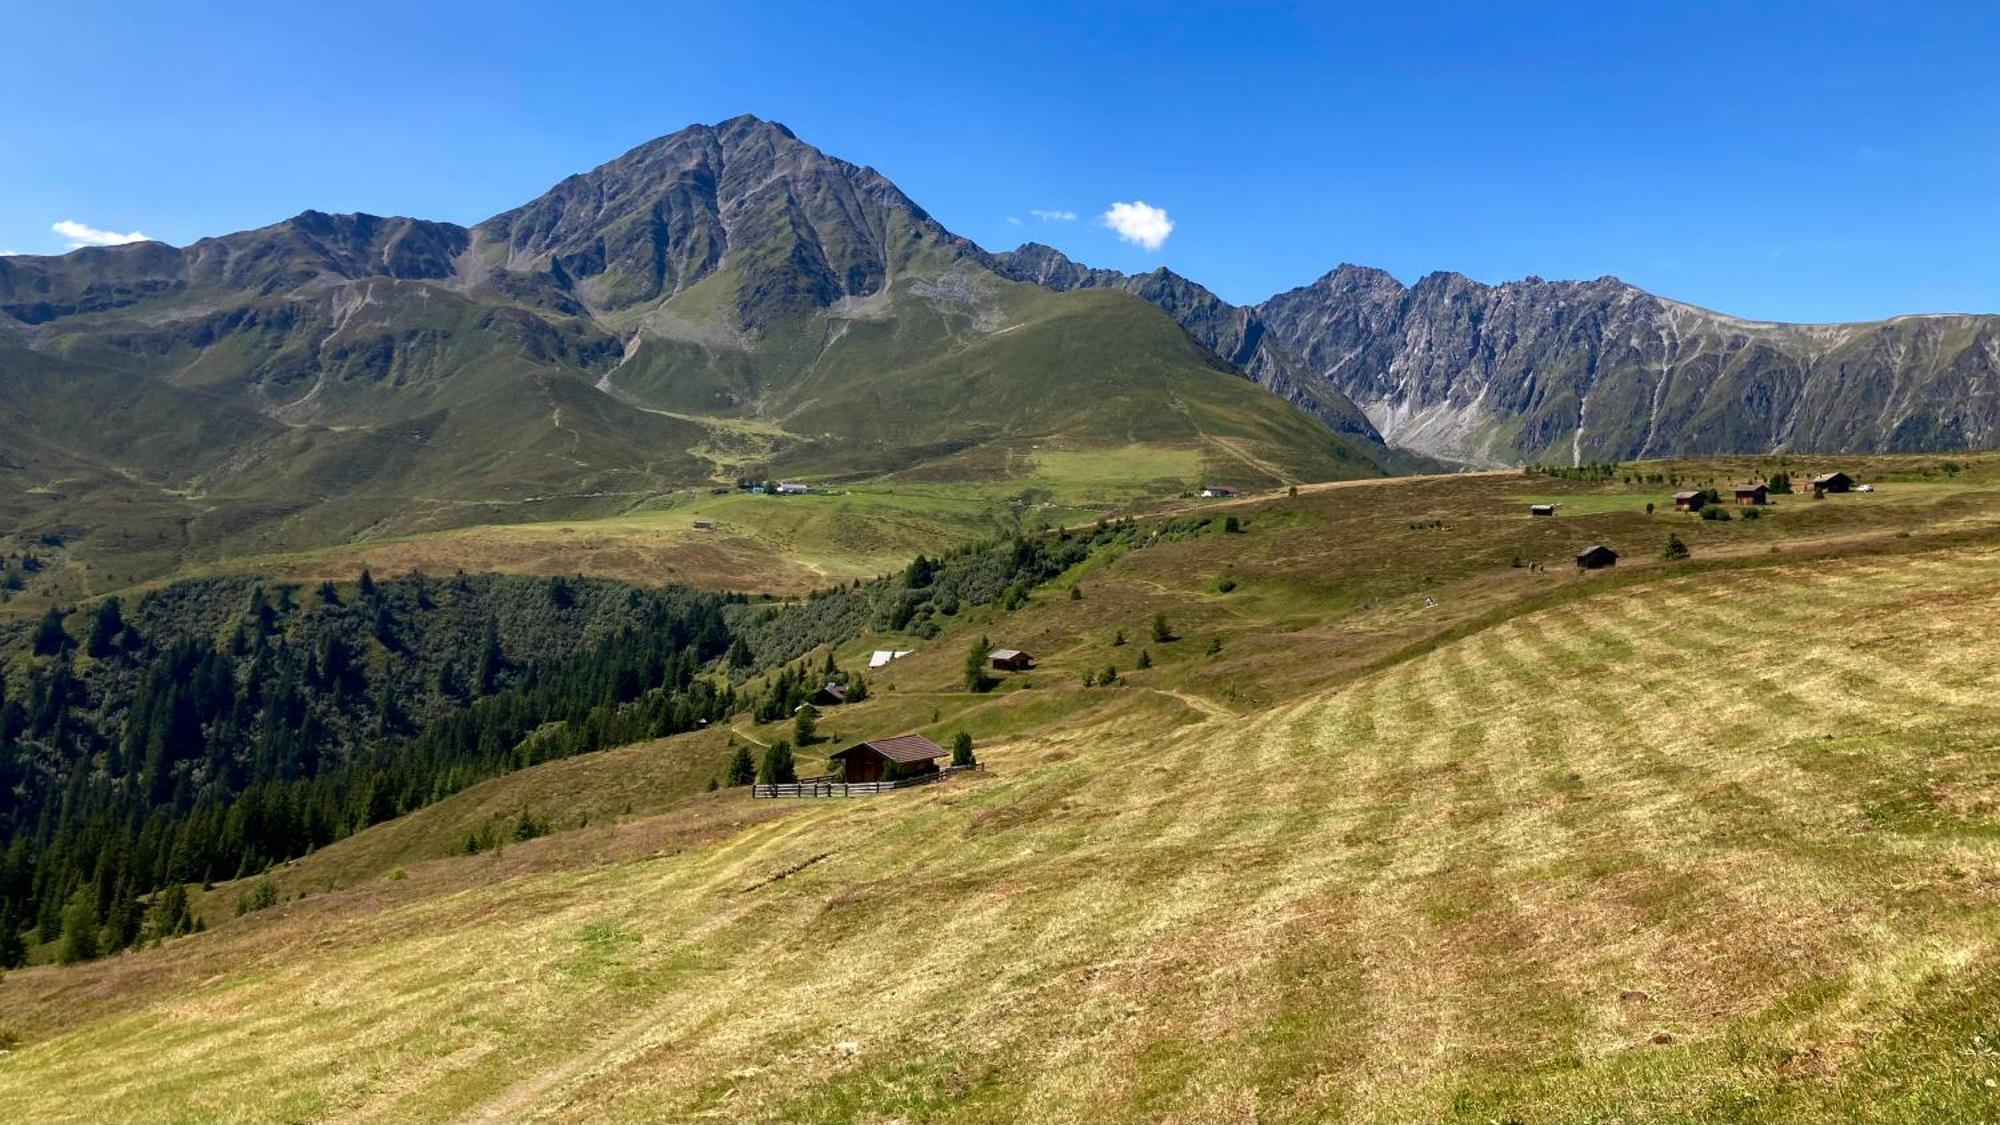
x=1721 y=846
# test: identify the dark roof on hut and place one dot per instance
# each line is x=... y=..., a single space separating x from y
x=902 y=748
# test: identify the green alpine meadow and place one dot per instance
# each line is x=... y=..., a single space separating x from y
x=1137 y=636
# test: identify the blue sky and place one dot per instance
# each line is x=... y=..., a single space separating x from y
x=1801 y=162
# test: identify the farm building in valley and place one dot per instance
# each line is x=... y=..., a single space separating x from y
x=1010 y=660
x=1689 y=501
x=909 y=754
x=1751 y=493
x=1596 y=557
x=1832 y=482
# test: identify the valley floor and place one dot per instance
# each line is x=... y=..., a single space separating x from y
x=1719 y=846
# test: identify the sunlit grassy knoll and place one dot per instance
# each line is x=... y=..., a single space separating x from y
x=1721 y=846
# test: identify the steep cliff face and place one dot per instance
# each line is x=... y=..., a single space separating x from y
x=1576 y=371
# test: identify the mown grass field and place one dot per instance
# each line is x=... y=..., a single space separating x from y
x=1429 y=837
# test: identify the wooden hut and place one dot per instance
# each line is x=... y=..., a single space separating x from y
x=1596 y=558
x=912 y=754
x=1010 y=660
x=1832 y=482
x=1750 y=494
x=1689 y=501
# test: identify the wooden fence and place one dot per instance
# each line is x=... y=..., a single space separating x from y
x=828 y=787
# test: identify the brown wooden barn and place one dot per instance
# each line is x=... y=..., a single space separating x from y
x=1689 y=501
x=1751 y=493
x=1832 y=482
x=913 y=754
x=1010 y=660
x=1596 y=558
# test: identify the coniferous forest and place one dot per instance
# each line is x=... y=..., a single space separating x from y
x=214 y=727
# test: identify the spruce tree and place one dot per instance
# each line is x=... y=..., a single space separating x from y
x=976 y=679
x=742 y=771
x=778 y=767
x=79 y=930
x=105 y=626
x=50 y=637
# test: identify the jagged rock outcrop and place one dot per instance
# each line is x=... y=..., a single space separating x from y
x=1567 y=371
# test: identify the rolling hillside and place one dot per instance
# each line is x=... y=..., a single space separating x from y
x=1392 y=828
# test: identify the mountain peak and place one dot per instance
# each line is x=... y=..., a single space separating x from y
x=803 y=228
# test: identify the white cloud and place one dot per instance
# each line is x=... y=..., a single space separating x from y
x=80 y=235
x=1052 y=216
x=1139 y=223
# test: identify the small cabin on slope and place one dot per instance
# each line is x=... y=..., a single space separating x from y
x=1010 y=660
x=911 y=754
x=1751 y=493
x=1832 y=482
x=1689 y=501
x=1596 y=558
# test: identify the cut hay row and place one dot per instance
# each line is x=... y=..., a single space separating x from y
x=1718 y=846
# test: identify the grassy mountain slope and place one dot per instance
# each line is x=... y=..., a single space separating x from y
x=1430 y=836
x=723 y=301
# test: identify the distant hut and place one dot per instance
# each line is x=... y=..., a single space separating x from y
x=830 y=694
x=1689 y=501
x=1749 y=494
x=1217 y=491
x=911 y=753
x=1832 y=482
x=1010 y=660
x=1596 y=558
x=1541 y=509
